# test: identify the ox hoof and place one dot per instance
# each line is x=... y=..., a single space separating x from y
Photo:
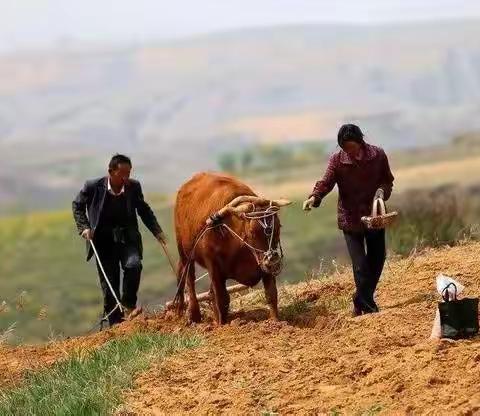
x=274 y=316
x=194 y=317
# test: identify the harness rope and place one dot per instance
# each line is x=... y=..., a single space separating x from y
x=259 y=216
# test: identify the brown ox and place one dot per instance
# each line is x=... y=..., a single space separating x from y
x=210 y=209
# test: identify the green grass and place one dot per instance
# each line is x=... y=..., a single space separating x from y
x=294 y=309
x=44 y=257
x=374 y=410
x=92 y=383
x=433 y=218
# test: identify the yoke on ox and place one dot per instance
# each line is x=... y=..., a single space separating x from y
x=223 y=226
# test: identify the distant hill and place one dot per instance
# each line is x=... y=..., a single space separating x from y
x=175 y=106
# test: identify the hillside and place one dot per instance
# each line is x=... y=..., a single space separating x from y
x=176 y=106
x=57 y=282
x=318 y=360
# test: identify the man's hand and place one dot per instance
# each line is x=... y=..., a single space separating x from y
x=87 y=234
x=380 y=194
x=162 y=238
x=308 y=204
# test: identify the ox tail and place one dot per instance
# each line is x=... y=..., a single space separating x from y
x=179 y=299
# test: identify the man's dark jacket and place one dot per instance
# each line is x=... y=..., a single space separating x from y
x=91 y=200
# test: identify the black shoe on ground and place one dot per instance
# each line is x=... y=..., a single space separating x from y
x=356 y=312
x=371 y=308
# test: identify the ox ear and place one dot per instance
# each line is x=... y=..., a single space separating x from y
x=281 y=202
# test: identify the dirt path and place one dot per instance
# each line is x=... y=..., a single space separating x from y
x=322 y=361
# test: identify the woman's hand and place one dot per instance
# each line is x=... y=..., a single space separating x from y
x=308 y=204
x=380 y=194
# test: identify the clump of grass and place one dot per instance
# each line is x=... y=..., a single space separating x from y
x=432 y=218
x=22 y=301
x=338 y=303
x=91 y=383
x=251 y=299
x=7 y=334
x=295 y=308
x=372 y=411
x=4 y=308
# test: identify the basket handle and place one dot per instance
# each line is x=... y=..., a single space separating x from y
x=447 y=298
x=376 y=203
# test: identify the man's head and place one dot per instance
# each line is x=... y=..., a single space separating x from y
x=119 y=170
x=350 y=139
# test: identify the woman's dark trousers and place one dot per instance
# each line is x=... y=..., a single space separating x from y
x=368 y=253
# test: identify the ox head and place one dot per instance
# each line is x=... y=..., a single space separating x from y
x=259 y=228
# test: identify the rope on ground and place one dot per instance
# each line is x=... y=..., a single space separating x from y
x=100 y=323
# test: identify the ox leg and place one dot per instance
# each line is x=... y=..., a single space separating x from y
x=226 y=301
x=194 y=314
x=271 y=294
x=220 y=295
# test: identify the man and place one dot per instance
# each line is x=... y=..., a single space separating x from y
x=362 y=173
x=105 y=212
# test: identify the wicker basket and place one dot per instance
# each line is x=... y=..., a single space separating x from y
x=379 y=219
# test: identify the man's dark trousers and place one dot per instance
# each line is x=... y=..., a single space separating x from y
x=114 y=255
x=368 y=253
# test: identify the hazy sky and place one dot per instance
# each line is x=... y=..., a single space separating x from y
x=42 y=23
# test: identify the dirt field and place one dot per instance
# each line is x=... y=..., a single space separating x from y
x=318 y=361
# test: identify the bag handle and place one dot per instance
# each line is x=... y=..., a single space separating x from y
x=447 y=299
x=376 y=203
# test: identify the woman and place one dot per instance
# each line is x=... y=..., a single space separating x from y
x=362 y=173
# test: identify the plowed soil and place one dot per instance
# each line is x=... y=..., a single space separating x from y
x=318 y=360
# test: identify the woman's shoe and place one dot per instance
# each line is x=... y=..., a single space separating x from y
x=356 y=311
x=371 y=308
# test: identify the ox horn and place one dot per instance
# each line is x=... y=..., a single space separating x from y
x=280 y=202
x=239 y=205
x=247 y=198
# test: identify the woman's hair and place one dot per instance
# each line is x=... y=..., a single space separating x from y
x=350 y=133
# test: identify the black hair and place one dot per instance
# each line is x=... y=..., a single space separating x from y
x=117 y=159
x=350 y=133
